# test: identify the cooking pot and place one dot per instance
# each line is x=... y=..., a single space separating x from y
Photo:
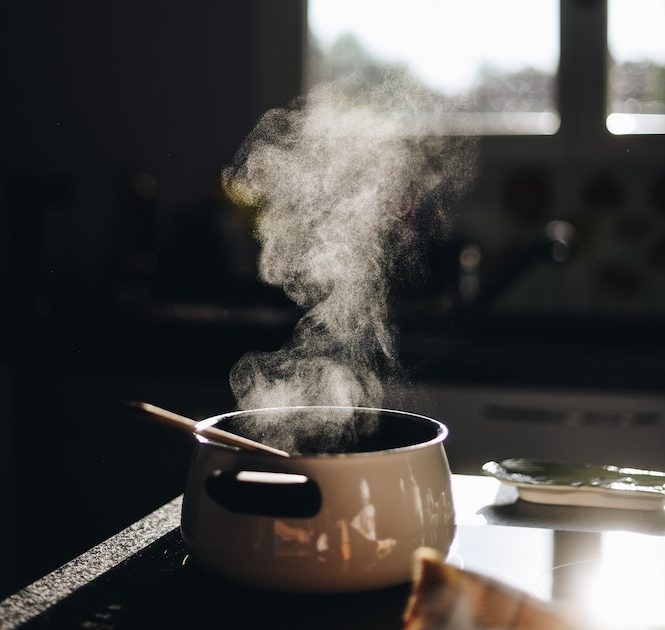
x=346 y=520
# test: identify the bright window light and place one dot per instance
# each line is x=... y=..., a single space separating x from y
x=636 y=41
x=626 y=591
x=497 y=60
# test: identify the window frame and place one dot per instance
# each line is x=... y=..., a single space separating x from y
x=581 y=82
x=582 y=95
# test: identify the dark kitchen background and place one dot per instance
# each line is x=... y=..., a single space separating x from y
x=126 y=274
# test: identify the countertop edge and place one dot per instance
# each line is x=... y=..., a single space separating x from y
x=27 y=603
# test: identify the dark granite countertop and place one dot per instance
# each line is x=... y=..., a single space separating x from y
x=57 y=585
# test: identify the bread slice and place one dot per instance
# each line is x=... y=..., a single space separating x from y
x=445 y=597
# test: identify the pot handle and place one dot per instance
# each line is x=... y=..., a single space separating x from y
x=284 y=495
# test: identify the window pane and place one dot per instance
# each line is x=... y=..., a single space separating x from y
x=497 y=60
x=636 y=38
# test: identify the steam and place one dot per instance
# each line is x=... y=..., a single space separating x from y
x=340 y=178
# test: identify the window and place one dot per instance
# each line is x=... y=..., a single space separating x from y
x=636 y=43
x=494 y=63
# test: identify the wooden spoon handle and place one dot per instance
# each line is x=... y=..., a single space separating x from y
x=212 y=433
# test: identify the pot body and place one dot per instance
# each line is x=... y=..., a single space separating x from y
x=319 y=523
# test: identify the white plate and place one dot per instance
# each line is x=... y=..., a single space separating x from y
x=587 y=485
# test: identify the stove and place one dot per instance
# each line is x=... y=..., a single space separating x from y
x=608 y=563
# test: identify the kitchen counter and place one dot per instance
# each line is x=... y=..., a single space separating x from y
x=141 y=577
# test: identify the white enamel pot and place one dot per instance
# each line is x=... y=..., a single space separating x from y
x=331 y=522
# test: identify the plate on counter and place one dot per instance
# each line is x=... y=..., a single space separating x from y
x=588 y=485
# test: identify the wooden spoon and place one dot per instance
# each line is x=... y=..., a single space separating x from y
x=212 y=433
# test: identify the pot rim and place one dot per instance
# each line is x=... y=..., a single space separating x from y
x=442 y=431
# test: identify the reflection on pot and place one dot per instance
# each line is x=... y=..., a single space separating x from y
x=348 y=540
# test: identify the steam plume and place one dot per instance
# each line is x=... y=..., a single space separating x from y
x=339 y=178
